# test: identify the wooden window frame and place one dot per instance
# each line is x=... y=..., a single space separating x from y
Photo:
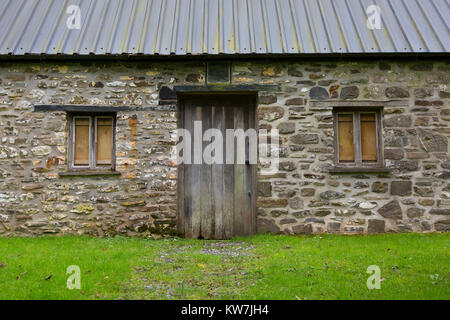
x=357 y=145
x=92 y=141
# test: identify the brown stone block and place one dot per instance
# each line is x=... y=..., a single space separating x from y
x=267 y=225
x=440 y=211
x=302 y=229
x=268 y=99
x=265 y=189
x=307 y=192
x=272 y=203
x=376 y=226
x=443 y=225
x=426 y=202
x=295 y=101
x=401 y=188
x=334 y=227
x=379 y=187
x=417 y=155
x=414 y=212
x=393 y=154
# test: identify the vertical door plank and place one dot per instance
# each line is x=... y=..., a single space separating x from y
x=228 y=180
x=249 y=214
x=254 y=166
x=218 y=121
x=247 y=173
x=180 y=175
x=239 y=187
x=205 y=188
x=196 y=173
x=188 y=196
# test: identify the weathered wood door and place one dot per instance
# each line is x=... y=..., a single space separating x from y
x=217 y=201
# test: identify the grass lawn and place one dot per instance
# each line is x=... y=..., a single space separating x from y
x=413 y=266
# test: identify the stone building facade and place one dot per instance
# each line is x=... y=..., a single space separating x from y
x=39 y=196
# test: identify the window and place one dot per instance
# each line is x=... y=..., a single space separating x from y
x=91 y=141
x=357 y=137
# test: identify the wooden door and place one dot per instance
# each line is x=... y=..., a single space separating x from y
x=217 y=201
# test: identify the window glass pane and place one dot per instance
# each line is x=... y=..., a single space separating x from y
x=368 y=137
x=104 y=141
x=345 y=135
x=81 y=149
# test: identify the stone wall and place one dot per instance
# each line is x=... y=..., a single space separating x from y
x=302 y=198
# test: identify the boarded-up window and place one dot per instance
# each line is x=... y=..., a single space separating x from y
x=358 y=139
x=345 y=135
x=368 y=137
x=92 y=142
x=104 y=141
x=82 y=141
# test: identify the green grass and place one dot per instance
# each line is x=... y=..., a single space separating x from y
x=413 y=266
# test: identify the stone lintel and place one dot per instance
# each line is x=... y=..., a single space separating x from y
x=87 y=108
x=227 y=88
x=359 y=103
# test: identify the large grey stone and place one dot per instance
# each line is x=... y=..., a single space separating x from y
x=318 y=93
x=331 y=195
x=432 y=142
x=270 y=113
x=396 y=92
x=406 y=165
x=41 y=150
x=288 y=221
x=286 y=127
x=315 y=220
x=440 y=211
x=423 y=92
x=287 y=165
x=398 y=121
x=349 y=92
x=305 y=138
x=296 y=203
x=442 y=225
x=166 y=93
x=414 y=212
x=391 y=210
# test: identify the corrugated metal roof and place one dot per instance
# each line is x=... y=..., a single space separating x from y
x=213 y=27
